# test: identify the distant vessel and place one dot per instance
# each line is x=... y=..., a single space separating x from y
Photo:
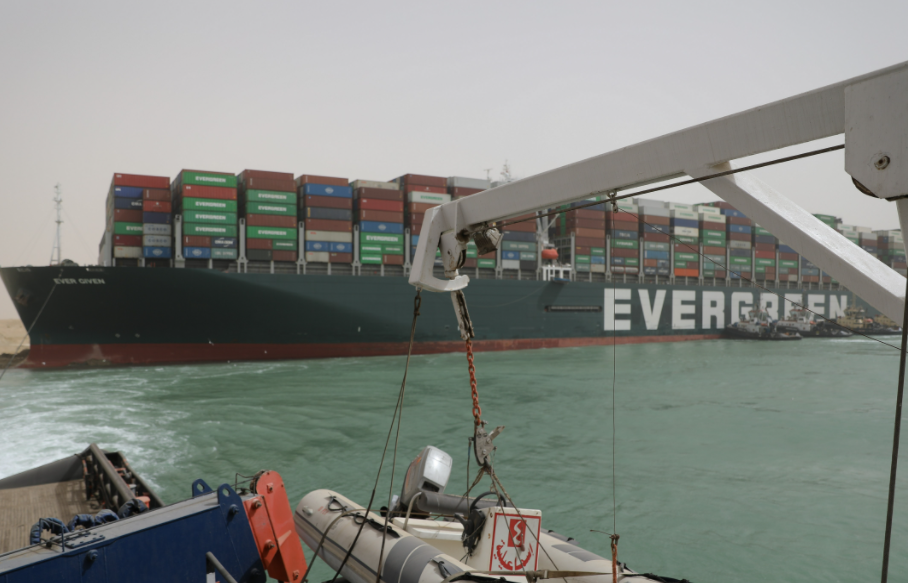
x=856 y=319
x=801 y=321
x=758 y=325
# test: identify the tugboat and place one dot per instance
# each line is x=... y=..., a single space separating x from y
x=856 y=319
x=758 y=325
x=800 y=321
x=885 y=326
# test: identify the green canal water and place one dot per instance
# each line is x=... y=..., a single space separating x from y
x=736 y=461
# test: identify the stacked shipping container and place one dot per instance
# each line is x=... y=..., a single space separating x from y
x=135 y=204
x=379 y=210
x=421 y=193
x=207 y=202
x=685 y=230
x=268 y=204
x=714 y=238
x=623 y=229
x=460 y=187
x=655 y=226
x=326 y=206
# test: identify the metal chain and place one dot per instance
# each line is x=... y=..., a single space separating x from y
x=477 y=410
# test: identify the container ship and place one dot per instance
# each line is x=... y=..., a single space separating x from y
x=216 y=266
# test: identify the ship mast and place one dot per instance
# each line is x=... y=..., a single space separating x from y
x=55 y=253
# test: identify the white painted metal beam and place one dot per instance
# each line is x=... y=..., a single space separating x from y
x=856 y=269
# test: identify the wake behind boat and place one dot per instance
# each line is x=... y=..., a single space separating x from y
x=801 y=321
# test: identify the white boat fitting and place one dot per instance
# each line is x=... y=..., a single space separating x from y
x=434 y=537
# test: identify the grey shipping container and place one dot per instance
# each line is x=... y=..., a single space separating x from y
x=329 y=214
x=461 y=182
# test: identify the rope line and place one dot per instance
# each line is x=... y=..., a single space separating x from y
x=676 y=184
x=614 y=385
x=755 y=284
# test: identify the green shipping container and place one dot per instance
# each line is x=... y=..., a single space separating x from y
x=472 y=253
x=366 y=249
x=486 y=263
x=381 y=238
x=271 y=196
x=283 y=245
x=370 y=259
x=740 y=261
x=270 y=233
x=597 y=251
x=582 y=267
x=398 y=250
x=528 y=256
x=761 y=231
x=686 y=257
x=625 y=244
x=271 y=208
x=582 y=259
x=688 y=240
x=765 y=263
x=217 y=253
x=711 y=233
x=208 y=179
x=516 y=246
x=209 y=204
x=206 y=230
x=209 y=217
x=710 y=242
x=788 y=263
x=631 y=262
x=127 y=228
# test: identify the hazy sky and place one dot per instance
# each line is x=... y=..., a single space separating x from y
x=374 y=90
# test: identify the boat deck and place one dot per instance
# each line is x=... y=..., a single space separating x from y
x=22 y=507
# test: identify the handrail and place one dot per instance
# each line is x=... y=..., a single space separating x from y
x=214 y=562
x=115 y=491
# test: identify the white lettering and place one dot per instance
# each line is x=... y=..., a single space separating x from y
x=836 y=307
x=211 y=179
x=713 y=307
x=680 y=309
x=610 y=309
x=652 y=313
x=741 y=303
x=791 y=300
x=769 y=303
x=815 y=303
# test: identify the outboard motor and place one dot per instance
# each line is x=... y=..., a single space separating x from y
x=428 y=473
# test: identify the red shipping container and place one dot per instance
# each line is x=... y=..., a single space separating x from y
x=257 y=220
x=275 y=184
x=586 y=214
x=328 y=225
x=380 y=216
x=283 y=255
x=156 y=194
x=712 y=226
x=340 y=258
x=687 y=273
x=656 y=237
x=592 y=233
x=419 y=207
x=461 y=191
x=765 y=247
x=156 y=206
x=415 y=218
x=738 y=236
x=765 y=254
x=204 y=191
x=622 y=226
x=392 y=259
x=127 y=240
x=650 y=263
x=624 y=252
x=589 y=241
x=197 y=241
x=527 y=227
x=469 y=263
x=127 y=216
x=329 y=180
x=585 y=224
x=377 y=204
x=580 y=250
x=245 y=175
x=380 y=193
x=789 y=256
x=739 y=221
x=415 y=229
x=424 y=188
x=328 y=202
x=713 y=250
x=622 y=217
x=141 y=181
x=720 y=274
x=658 y=221
x=488 y=256
x=424 y=180
x=259 y=244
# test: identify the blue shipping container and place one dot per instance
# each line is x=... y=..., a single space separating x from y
x=786 y=249
x=414 y=240
x=318 y=246
x=127 y=203
x=223 y=242
x=156 y=218
x=662 y=263
x=197 y=252
x=518 y=236
x=156 y=252
x=510 y=255
x=692 y=223
x=376 y=227
x=625 y=235
x=738 y=229
x=615 y=260
x=739 y=252
x=764 y=239
x=329 y=214
x=655 y=255
x=328 y=190
x=340 y=247
x=128 y=191
x=733 y=213
x=597 y=260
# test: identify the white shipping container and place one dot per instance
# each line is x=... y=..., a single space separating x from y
x=121 y=252
x=597 y=267
x=373 y=184
x=863 y=229
x=461 y=182
x=683 y=214
x=645 y=202
x=155 y=241
x=156 y=229
x=317 y=256
x=739 y=245
x=677 y=206
x=429 y=197
x=510 y=264
x=330 y=236
x=654 y=211
x=713 y=218
x=686 y=231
